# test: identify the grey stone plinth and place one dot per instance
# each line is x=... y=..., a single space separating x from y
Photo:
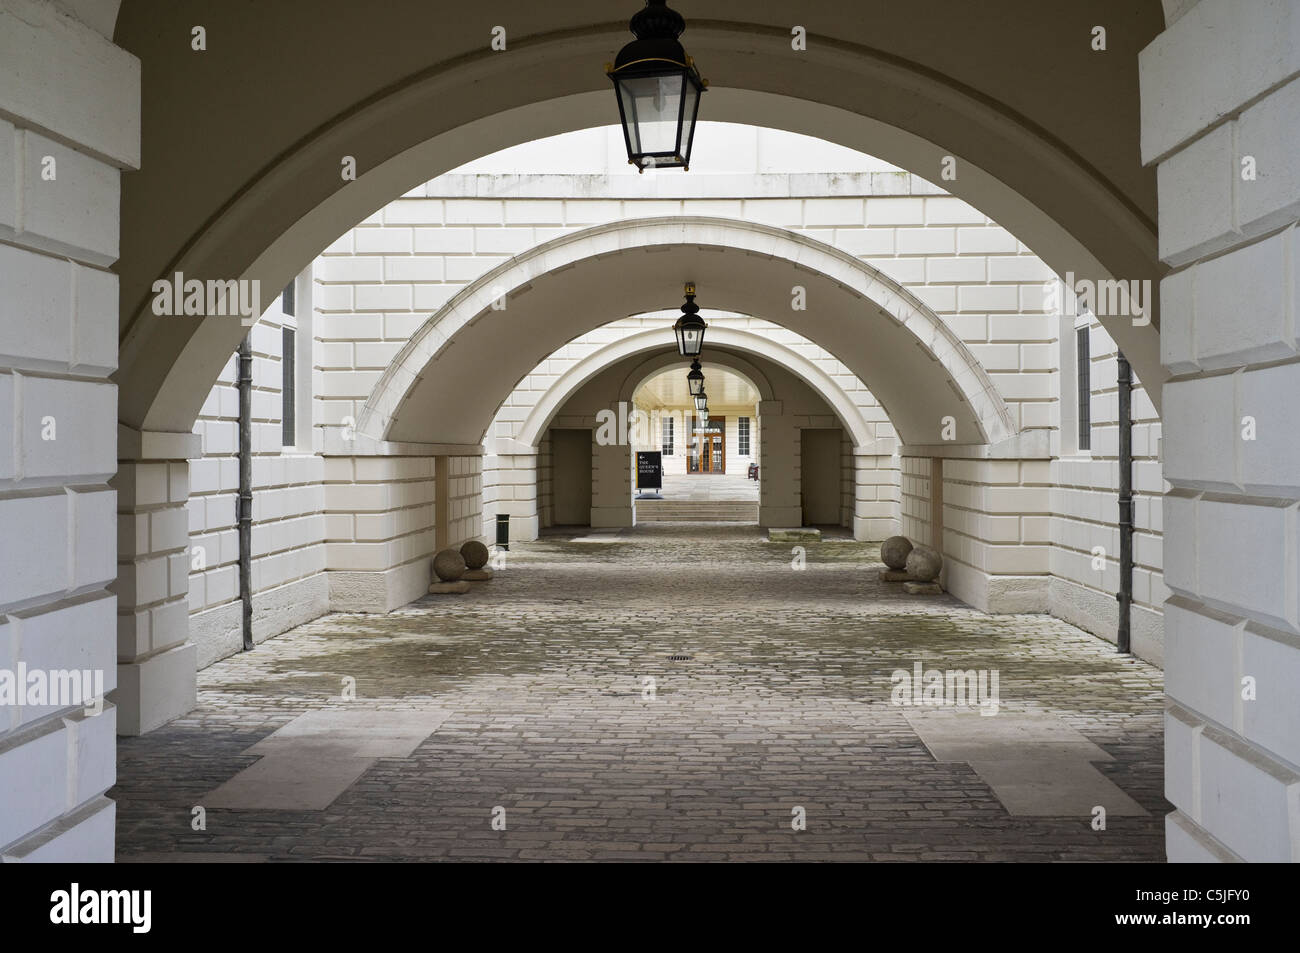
x=449 y=588
x=923 y=588
x=477 y=575
x=893 y=575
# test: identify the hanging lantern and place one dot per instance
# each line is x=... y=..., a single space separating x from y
x=690 y=326
x=695 y=379
x=658 y=90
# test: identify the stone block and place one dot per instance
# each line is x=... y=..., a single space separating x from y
x=1205 y=169
x=36 y=305
x=34 y=546
x=923 y=588
x=1242 y=305
x=1248 y=800
x=90 y=96
x=1269 y=132
x=1210 y=62
x=76 y=213
x=152 y=692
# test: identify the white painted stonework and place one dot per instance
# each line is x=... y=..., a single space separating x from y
x=72 y=105
x=449 y=330
x=1232 y=754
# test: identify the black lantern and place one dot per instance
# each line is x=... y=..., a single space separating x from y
x=658 y=90
x=695 y=379
x=690 y=326
x=702 y=404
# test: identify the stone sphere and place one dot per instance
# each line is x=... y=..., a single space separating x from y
x=475 y=554
x=893 y=551
x=449 y=565
x=924 y=563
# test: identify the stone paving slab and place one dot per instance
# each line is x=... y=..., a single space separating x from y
x=968 y=735
x=1064 y=787
x=1035 y=764
x=563 y=713
x=291 y=780
x=306 y=764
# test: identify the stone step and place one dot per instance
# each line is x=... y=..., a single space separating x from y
x=696 y=511
x=793 y=534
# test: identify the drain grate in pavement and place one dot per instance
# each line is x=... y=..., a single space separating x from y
x=680 y=658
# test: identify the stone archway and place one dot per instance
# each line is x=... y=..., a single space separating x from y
x=1027 y=153
x=514 y=459
x=917 y=367
x=732 y=339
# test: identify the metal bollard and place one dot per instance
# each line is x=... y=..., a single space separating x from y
x=503 y=530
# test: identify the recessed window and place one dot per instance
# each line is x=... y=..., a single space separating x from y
x=668 y=436
x=288 y=304
x=288 y=393
x=742 y=436
x=1084 y=353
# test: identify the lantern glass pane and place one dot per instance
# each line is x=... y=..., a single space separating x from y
x=652 y=107
x=690 y=106
x=631 y=129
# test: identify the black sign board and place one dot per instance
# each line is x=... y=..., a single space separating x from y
x=649 y=470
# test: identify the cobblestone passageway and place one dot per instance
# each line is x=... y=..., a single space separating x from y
x=552 y=702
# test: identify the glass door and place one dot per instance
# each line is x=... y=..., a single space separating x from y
x=708 y=447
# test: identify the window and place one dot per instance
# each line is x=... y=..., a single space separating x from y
x=668 y=436
x=287 y=302
x=742 y=436
x=1083 y=351
x=289 y=422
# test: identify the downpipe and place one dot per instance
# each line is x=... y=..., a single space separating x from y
x=1125 y=595
x=244 y=511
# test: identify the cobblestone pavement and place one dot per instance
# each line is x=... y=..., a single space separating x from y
x=785 y=703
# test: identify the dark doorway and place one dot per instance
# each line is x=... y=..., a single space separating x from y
x=819 y=476
x=571 y=477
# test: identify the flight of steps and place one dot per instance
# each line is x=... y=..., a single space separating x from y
x=696 y=511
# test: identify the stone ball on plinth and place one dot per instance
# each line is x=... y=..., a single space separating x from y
x=893 y=551
x=924 y=563
x=449 y=565
x=476 y=555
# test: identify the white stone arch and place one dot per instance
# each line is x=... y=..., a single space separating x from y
x=266 y=227
x=470 y=355
x=653 y=339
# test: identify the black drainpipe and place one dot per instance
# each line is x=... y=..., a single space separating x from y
x=245 y=505
x=1125 y=596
